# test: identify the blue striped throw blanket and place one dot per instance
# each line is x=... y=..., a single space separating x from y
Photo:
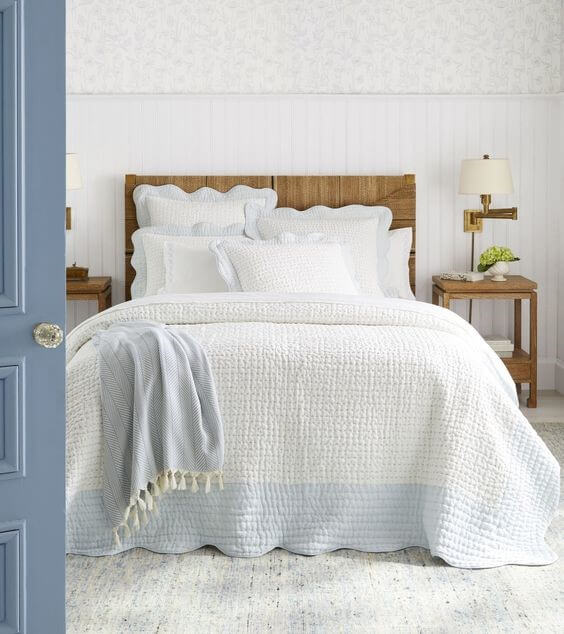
x=161 y=421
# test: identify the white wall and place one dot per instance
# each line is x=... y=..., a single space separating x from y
x=135 y=68
x=559 y=228
x=332 y=134
x=313 y=46
x=559 y=380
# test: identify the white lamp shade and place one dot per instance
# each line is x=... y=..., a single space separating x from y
x=485 y=176
x=74 y=180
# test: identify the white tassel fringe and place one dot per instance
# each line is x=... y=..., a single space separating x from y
x=147 y=505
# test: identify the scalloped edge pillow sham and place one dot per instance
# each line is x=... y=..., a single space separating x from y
x=203 y=205
x=363 y=230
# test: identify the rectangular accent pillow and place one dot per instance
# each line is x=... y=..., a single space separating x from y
x=191 y=268
x=227 y=210
x=397 y=280
x=285 y=264
x=362 y=230
x=148 y=254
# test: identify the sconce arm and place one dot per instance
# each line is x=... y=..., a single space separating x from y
x=473 y=217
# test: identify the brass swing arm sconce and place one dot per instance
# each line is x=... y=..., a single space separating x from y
x=485 y=175
x=473 y=217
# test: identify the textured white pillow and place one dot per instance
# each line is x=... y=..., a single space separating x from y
x=363 y=230
x=397 y=280
x=148 y=253
x=165 y=211
x=285 y=264
x=226 y=216
x=191 y=268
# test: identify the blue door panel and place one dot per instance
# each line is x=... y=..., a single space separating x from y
x=11 y=420
x=32 y=290
x=11 y=44
x=12 y=548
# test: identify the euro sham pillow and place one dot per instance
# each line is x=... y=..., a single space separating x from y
x=397 y=280
x=149 y=252
x=362 y=230
x=285 y=264
x=170 y=205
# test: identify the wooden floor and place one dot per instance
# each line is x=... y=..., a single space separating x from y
x=344 y=591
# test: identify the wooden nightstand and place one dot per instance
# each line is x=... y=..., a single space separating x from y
x=521 y=365
x=93 y=288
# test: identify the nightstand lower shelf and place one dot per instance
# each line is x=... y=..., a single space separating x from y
x=522 y=365
x=519 y=366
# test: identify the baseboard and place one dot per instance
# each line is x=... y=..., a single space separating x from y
x=546 y=374
x=559 y=376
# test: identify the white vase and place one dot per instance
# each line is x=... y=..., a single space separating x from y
x=498 y=270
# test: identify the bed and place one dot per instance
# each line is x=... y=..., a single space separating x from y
x=350 y=421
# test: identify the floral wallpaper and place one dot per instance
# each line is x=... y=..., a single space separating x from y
x=314 y=46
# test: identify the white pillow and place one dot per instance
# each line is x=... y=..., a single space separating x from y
x=285 y=264
x=148 y=253
x=397 y=280
x=191 y=268
x=227 y=215
x=165 y=211
x=363 y=230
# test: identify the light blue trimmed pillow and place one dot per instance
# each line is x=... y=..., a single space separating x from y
x=148 y=253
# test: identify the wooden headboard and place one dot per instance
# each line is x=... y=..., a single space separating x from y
x=298 y=192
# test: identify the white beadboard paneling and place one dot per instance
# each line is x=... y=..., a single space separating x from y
x=557 y=204
x=428 y=135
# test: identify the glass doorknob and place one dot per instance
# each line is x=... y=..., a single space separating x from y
x=48 y=335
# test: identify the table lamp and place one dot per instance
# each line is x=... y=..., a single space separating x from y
x=74 y=181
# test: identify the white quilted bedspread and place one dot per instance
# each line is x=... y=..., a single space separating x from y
x=349 y=422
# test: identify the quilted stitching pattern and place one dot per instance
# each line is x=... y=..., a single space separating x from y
x=285 y=264
x=362 y=230
x=164 y=211
x=404 y=396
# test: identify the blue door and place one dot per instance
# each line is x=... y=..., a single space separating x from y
x=32 y=419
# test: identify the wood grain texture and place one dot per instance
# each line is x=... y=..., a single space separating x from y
x=89 y=285
x=514 y=283
x=224 y=183
x=522 y=365
x=298 y=192
x=302 y=192
x=97 y=289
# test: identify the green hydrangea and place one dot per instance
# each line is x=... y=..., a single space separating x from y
x=495 y=254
